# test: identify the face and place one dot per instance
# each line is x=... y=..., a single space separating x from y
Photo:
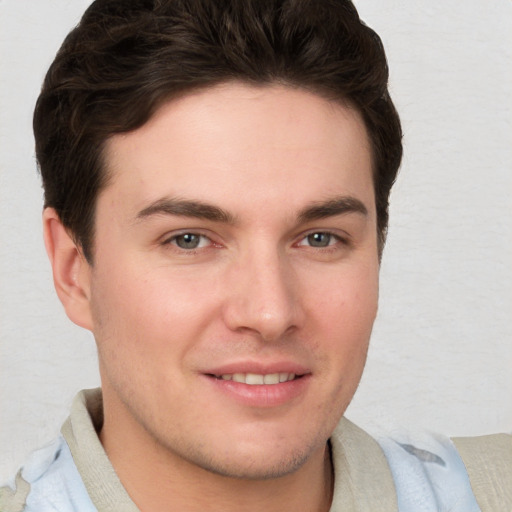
x=235 y=276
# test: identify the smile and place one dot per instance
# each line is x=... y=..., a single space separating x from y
x=257 y=379
x=261 y=388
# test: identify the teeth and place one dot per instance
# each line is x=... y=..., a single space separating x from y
x=271 y=378
x=283 y=377
x=256 y=379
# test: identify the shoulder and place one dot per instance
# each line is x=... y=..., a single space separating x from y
x=49 y=481
x=428 y=472
x=488 y=460
x=423 y=471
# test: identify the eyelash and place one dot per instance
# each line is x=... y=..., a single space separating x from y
x=173 y=241
x=334 y=241
x=332 y=238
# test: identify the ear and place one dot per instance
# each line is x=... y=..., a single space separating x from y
x=71 y=271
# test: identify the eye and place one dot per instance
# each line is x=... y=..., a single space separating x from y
x=320 y=239
x=189 y=241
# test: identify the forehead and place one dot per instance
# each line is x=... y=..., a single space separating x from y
x=269 y=143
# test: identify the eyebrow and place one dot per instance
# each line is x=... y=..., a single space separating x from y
x=186 y=208
x=200 y=210
x=332 y=207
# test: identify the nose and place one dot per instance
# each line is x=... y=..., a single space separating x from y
x=262 y=297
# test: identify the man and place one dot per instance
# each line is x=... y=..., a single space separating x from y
x=216 y=183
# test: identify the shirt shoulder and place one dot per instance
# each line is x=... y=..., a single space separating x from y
x=400 y=470
x=49 y=481
x=488 y=460
x=428 y=473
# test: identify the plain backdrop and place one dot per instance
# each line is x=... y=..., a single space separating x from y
x=441 y=353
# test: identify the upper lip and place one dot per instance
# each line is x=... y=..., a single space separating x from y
x=258 y=367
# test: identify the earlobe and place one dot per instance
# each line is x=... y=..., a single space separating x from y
x=71 y=271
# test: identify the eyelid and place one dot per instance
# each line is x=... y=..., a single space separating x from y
x=343 y=238
x=201 y=244
x=169 y=238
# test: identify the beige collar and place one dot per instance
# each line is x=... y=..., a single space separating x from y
x=363 y=481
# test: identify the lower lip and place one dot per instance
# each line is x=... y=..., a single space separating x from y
x=263 y=395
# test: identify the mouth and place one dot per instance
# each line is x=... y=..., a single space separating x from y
x=258 y=379
x=252 y=385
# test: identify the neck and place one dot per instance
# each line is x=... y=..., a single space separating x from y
x=157 y=479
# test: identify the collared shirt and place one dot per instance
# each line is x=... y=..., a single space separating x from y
x=404 y=473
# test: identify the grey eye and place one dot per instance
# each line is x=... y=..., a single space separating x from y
x=319 y=239
x=188 y=241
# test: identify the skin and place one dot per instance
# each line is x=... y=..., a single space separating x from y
x=274 y=281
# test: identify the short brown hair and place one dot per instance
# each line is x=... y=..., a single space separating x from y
x=126 y=57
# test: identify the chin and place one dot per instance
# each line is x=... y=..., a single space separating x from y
x=256 y=468
x=255 y=458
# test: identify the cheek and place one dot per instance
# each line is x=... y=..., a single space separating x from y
x=148 y=311
x=347 y=301
x=345 y=310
